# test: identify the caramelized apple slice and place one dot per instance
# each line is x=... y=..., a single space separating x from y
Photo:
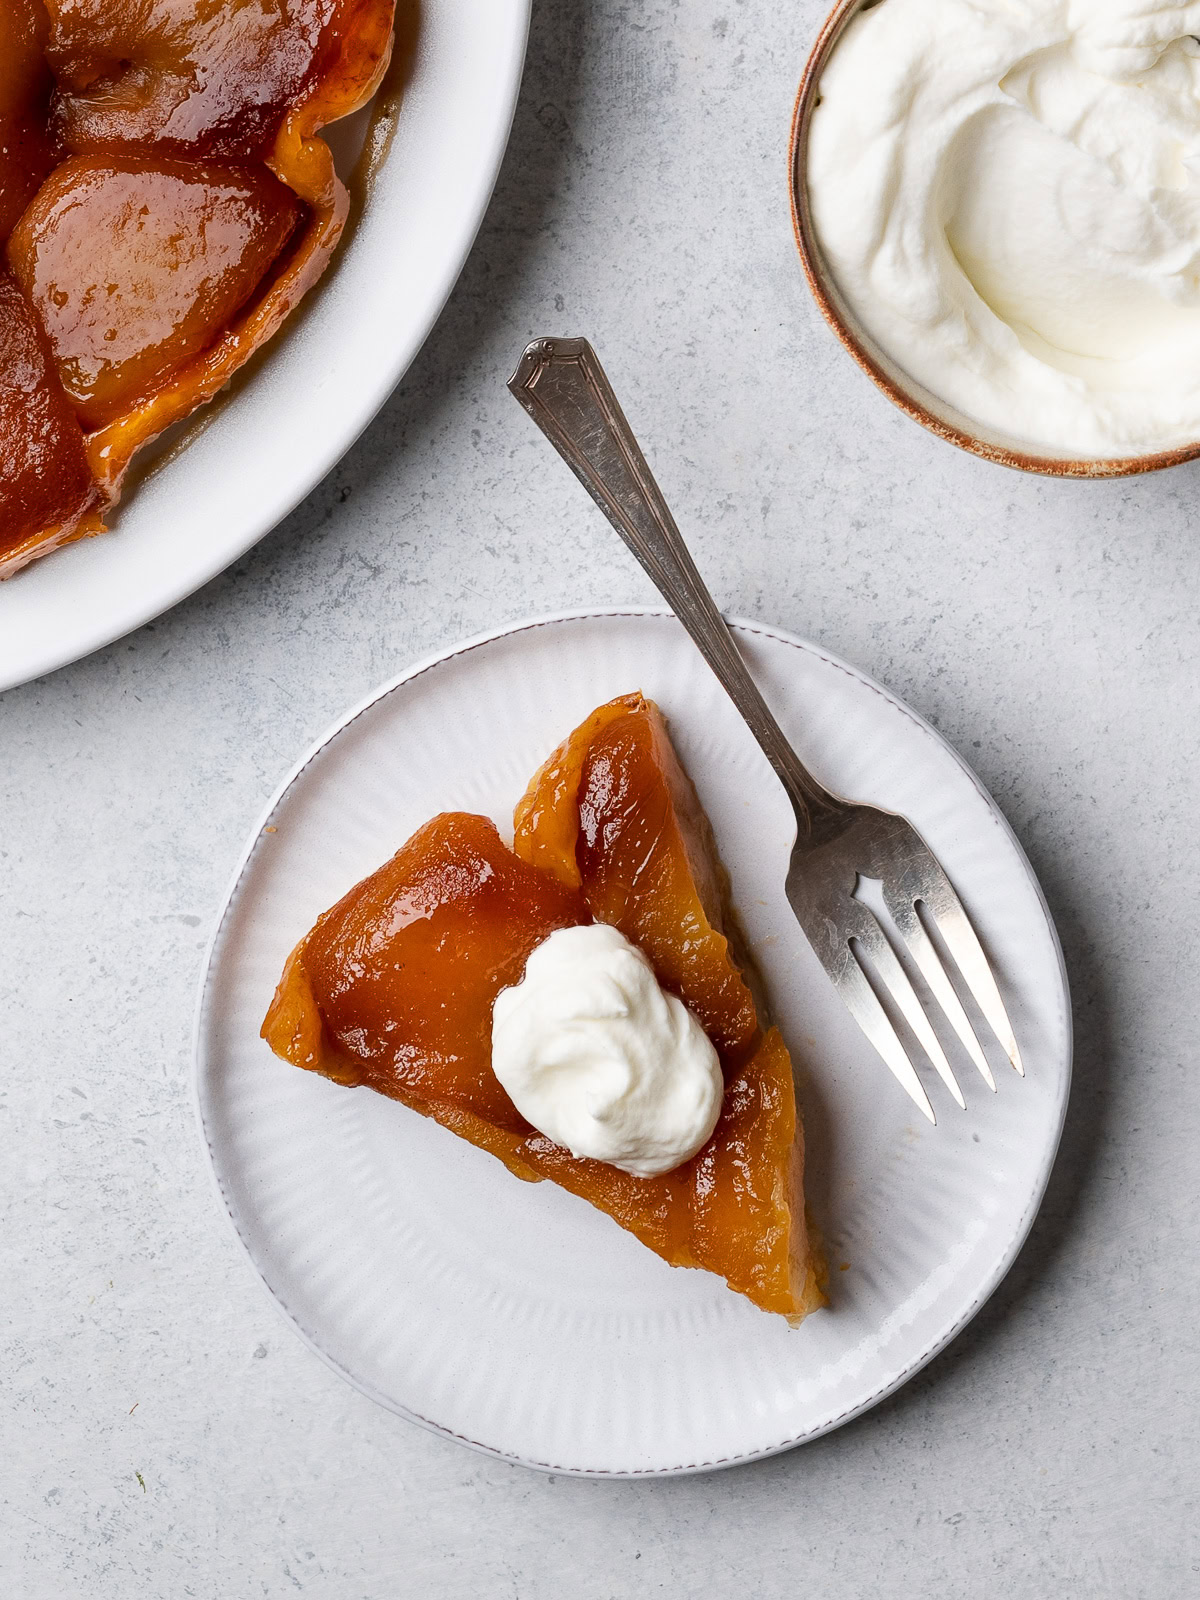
x=151 y=82
x=612 y=812
x=134 y=266
x=748 y=1215
x=359 y=47
x=47 y=495
x=25 y=85
x=192 y=80
x=403 y=971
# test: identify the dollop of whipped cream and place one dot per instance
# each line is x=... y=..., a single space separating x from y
x=601 y=1060
x=1007 y=194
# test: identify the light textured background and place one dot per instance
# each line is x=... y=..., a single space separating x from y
x=1048 y=629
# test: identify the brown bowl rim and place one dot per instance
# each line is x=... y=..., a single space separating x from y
x=816 y=273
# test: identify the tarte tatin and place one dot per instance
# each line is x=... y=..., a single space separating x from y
x=165 y=203
x=393 y=988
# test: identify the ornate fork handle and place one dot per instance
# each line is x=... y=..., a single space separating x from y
x=562 y=385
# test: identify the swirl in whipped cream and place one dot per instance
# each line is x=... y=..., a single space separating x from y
x=600 y=1059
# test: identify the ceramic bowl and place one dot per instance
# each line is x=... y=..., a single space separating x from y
x=912 y=397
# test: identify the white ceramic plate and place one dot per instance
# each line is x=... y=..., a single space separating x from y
x=514 y=1316
x=248 y=462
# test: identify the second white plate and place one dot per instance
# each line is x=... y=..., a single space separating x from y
x=514 y=1316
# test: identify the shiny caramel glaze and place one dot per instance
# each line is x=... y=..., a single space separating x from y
x=164 y=81
x=135 y=266
x=46 y=489
x=394 y=987
x=305 y=164
x=25 y=85
x=612 y=812
x=748 y=1216
x=208 y=79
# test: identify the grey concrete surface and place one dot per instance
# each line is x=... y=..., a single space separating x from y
x=164 y=1434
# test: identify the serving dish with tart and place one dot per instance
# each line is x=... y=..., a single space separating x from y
x=210 y=486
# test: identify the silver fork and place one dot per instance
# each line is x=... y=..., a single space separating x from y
x=854 y=868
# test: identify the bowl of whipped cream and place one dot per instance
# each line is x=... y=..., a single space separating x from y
x=997 y=204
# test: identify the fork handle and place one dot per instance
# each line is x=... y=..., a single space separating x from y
x=562 y=385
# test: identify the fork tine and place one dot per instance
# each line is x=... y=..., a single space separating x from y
x=892 y=975
x=955 y=928
x=921 y=947
x=863 y=1004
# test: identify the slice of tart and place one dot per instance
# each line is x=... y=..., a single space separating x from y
x=393 y=988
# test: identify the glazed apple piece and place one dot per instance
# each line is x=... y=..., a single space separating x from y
x=748 y=1215
x=393 y=988
x=25 y=85
x=159 y=82
x=135 y=266
x=47 y=494
x=403 y=971
x=193 y=80
x=613 y=813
